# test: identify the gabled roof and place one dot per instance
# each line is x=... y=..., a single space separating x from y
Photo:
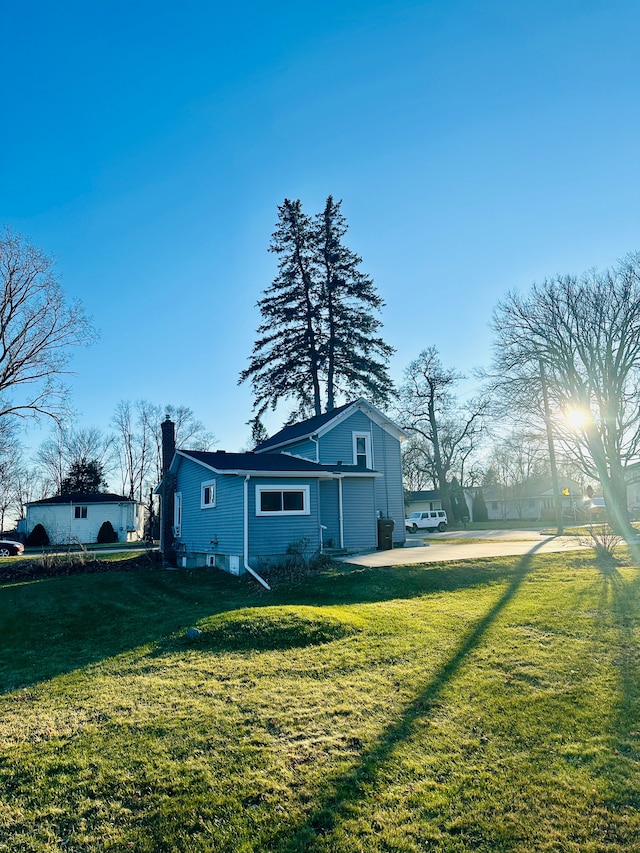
x=83 y=498
x=265 y=463
x=321 y=424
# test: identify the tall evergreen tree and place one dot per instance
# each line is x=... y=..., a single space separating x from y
x=87 y=477
x=318 y=336
x=285 y=362
x=356 y=359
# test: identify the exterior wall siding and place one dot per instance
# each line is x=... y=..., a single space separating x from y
x=359 y=512
x=330 y=513
x=389 y=488
x=219 y=530
x=62 y=527
x=337 y=446
x=306 y=449
x=269 y=536
x=201 y=528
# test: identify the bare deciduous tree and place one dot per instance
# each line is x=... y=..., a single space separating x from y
x=37 y=328
x=447 y=433
x=139 y=441
x=68 y=447
x=585 y=332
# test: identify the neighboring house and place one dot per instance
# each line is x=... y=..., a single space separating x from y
x=78 y=517
x=530 y=502
x=422 y=501
x=325 y=482
x=632 y=474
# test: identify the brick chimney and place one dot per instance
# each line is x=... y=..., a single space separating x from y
x=167 y=493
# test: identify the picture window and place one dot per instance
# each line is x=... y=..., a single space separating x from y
x=288 y=501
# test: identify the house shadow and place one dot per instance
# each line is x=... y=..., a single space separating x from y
x=102 y=616
x=347 y=789
x=270 y=626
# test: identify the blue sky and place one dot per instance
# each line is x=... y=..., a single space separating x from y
x=477 y=148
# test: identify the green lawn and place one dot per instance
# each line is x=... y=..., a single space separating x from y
x=484 y=706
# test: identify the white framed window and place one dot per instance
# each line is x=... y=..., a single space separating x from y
x=286 y=500
x=177 y=513
x=208 y=494
x=80 y=512
x=362 y=449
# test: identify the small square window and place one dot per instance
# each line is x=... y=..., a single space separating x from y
x=293 y=501
x=80 y=512
x=271 y=502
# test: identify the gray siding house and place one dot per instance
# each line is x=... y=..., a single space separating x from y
x=325 y=481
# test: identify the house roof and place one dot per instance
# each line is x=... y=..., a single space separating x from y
x=83 y=498
x=266 y=463
x=425 y=495
x=322 y=423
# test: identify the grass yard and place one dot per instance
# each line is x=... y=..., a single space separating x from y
x=491 y=706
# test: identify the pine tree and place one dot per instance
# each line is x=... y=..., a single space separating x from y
x=285 y=362
x=356 y=360
x=318 y=335
x=479 y=507
x=85 y=477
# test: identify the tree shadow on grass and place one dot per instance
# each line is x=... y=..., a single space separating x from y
x=618 y=611
x=349 y=788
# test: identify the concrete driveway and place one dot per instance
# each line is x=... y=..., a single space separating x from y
x=452 y=546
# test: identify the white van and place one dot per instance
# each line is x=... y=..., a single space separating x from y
x=435 y=519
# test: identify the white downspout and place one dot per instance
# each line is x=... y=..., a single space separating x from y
x=314 y=438
x=340 y=517
x=246 y=536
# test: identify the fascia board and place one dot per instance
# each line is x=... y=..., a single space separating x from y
x=376 y=416
x=293 y=475
x=244 y=472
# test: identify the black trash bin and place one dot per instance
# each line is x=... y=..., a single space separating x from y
x=385 y=534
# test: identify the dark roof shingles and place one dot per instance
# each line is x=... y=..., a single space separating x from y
x=302 y=429
x=84 y=498
x=222 y=461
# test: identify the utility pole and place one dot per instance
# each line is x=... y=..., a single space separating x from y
x=557 y=500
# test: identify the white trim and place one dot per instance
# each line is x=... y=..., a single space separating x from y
x=375 y=415
x=306 y=494
x=212 y=485
x=368 y=454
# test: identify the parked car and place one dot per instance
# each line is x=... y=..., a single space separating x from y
x=432 y=520
x=9 y=548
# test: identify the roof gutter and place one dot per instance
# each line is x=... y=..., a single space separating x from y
x=245 y=554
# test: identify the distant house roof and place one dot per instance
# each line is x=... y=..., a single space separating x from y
x=320 y=423
x=428 y=495
x=266 y=463
x=83 y=498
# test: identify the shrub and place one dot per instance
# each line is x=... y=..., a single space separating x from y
x=38 y=537
x=604 y=541
x=479 y=507
x=106 y=533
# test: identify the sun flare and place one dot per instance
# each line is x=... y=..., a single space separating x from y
x=576 y=418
